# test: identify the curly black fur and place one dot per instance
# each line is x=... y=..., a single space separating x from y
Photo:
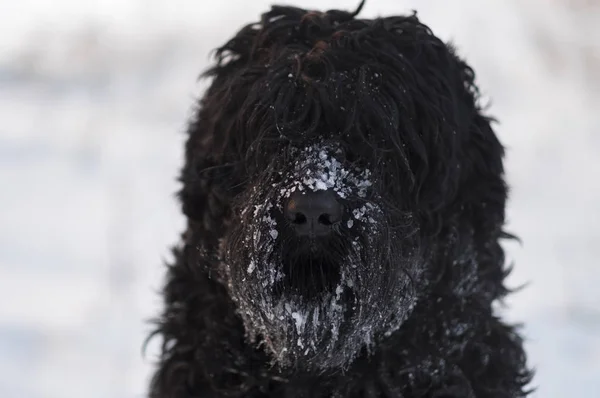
x=401 y=305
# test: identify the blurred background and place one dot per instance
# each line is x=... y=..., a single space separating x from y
x=94 y=97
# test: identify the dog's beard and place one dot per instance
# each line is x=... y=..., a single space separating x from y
x=315 y=310
x=317 y=304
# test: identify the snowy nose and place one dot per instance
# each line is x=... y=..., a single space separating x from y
x=313 y=213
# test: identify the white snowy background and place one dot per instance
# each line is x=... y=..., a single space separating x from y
x=94 y=96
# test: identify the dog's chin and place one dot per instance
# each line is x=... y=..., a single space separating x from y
x=311 y=272
x=314 y=334
x=325 y=327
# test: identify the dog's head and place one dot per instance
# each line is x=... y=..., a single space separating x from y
x=332 y=165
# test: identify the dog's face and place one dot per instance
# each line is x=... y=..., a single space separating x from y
x=318 y=261
x=325 y=160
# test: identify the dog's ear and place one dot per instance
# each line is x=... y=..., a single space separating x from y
x=210 y=167
x=482 y=187
x=485 y=195
x=461 y=188
x=465 y=155
x=482 y=193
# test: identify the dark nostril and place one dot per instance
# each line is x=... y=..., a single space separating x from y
x=313 y=212
x=299 y=218
x=325 y=219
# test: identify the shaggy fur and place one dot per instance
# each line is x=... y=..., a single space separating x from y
x=396 y=301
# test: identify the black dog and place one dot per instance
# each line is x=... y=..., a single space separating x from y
x=345 y=201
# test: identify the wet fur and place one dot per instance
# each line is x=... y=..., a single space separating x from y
x=400 y=101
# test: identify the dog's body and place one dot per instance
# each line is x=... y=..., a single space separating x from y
x=345 y=199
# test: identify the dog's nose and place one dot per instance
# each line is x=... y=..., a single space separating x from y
x=313 y=213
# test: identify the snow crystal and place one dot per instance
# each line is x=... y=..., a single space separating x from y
x=251 y=266
x=299 y=319
x=318 y=168
x=320 y=185
x=359 y=213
